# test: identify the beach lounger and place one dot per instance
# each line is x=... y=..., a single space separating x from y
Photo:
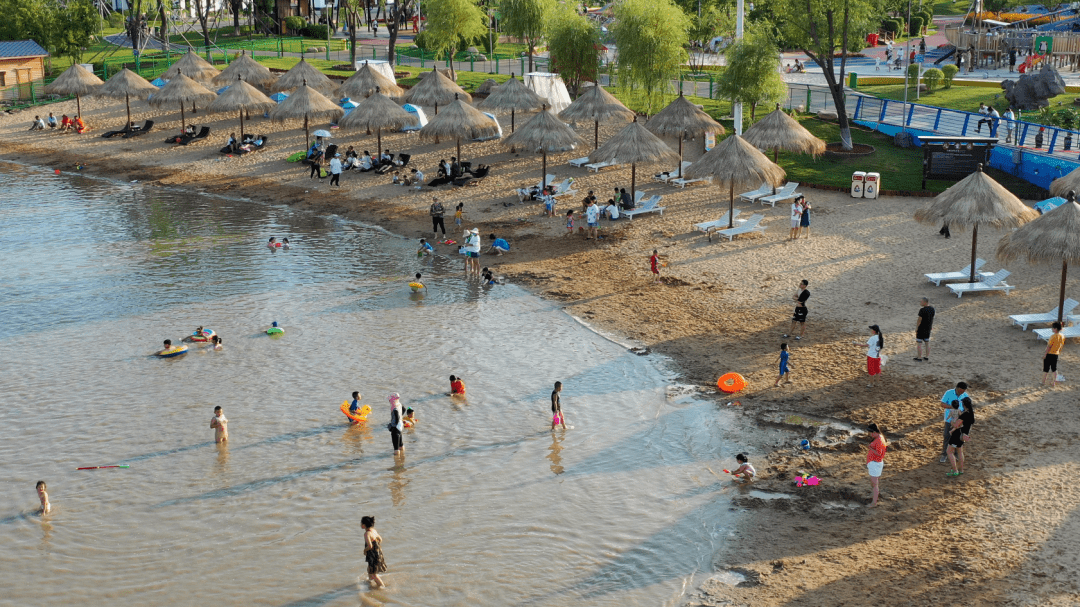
x=1031 y=319
x=140 y=131
x=1067 y=332
x=563 y=189
x=751 y=225
x=667 y=176
x=753 y=196
x=596 y=166
x=649 y=206
x=711 y=227
x=683 y=182
x=964 y=274
x=785 y=193
x=579 y=162
x=994 y=282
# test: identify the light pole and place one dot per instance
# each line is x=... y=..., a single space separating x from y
x=736 y=109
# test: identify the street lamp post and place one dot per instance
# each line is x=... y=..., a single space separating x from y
x=737 y=108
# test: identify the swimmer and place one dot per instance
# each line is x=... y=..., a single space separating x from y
x=557 y=416
x=220 y=426
x=416 y=280
x=273 y=242
x=355 y=406
x=425 y=248
x=168 y=346
x=198 y=332
x=410 y=418
x=46 y=507
x=215 y=343
x=285 y=243
x=457 y=386
x=745 y=471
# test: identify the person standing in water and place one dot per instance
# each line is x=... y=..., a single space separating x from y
x=46 y=507
x=457 y=386
x=396 y=424
x=373 y=554
x=220 y=426
x=556 y=407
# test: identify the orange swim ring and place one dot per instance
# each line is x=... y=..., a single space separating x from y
x=731 y=383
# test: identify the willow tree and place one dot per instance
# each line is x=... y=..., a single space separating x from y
x=753 y=70
x=651 y=36
x=449 y=22
x=824 y=28
x=574 y=47
x=526 y=19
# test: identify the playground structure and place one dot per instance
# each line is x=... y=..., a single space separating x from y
x=989 y=47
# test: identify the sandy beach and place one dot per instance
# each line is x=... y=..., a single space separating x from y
x=998 y=535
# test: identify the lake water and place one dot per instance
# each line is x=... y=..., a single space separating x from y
x=488 y=507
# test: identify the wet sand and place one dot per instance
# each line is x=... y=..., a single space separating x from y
x=1001 y=534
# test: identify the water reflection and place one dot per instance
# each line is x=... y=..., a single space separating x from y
x=554 y=450
x=222 y=458
x=398 y=482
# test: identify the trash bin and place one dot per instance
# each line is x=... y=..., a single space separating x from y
x=872 y=39
x=872 y=185
x=853 y=80
x=857 y=179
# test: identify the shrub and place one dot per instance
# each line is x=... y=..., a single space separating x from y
x=948 y=71
x=932 y=77
x=913 y=73
x=890 y=26
x=295 y=24
x=915 y=26
x=317 y=31
x=927 y=18
x=116 y=20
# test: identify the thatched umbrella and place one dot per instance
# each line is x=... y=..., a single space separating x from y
x=305 y=102
x=546 y=133
x=377 y=112
x=242 y=97
x=734 y=163
x=435 y=89
x=1068 y=183
x=1051 y=238
x=512 y=95
x=248 y=70
x=460 y=121
x=596 y=104
x=780 y=131
x=633 y=145
x=182 y=89
x=680 y=119
x=366 y=81
x=75 y=80
x=192 y=66
x=303 y=74
x=973 y=201
x=124 y=85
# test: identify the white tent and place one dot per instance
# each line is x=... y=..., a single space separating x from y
x=383 y=67
x=550 y=86
x=495 y=136
x=421 y=117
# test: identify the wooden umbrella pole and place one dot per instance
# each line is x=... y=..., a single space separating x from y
x=1061 y=293
x=378 y=137
x=307 y=139
x=437 y=137
x=596 y=134
x=731 y=206
x=127 y=104
x=511 y=120
x=183 y=126
x=680 y=156
x=78 y=105
x=241 y=124
x=458 y=149
x=633 y=181
x=974 y=241
x=543 y=174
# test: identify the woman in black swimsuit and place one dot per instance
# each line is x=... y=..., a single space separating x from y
x=373 y=554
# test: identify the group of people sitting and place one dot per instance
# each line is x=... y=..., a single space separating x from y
x=248 y=143
x=620 y=201
x=798 y=68
x=66 y=124
x=458 y=173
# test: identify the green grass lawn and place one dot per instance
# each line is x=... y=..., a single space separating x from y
x=966 y=98
x=951 y=7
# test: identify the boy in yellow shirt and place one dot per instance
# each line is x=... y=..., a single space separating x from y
x=1050 y=358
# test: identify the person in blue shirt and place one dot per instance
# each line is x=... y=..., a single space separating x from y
x=498 y=245
x=783 y=361
x=959 y=393
x=425 y=248
x=355 y=406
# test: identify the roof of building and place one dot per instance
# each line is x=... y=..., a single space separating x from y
x=22 y=48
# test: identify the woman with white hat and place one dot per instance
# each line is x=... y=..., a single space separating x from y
x=472 y=251
x=396 y=425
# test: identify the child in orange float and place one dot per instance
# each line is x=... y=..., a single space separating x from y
x=457 y=386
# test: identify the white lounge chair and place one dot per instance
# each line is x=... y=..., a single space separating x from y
x=649 y=206
x=523 y=194
x=994 y=282
x=596 y=166
x=579 y=162
x=1030 y=319
x=752 y=196
x=751 y=225
x=785 y=193
x=669 y=175
x=563 y=189
x=1067 y=332
x=683 y=182
x=964 y=274
x=711 y=227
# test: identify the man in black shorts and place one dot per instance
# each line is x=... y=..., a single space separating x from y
x=923 y=325
x=437 y=212
x=799 y=317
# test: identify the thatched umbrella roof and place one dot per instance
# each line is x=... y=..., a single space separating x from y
x=486 y=87
x=1052 y=238
x=596 y=104
x=435 y=89
x=305 y=102
x=681 y=118
x=459 y=120
x=973 y=201
x=192 y=66
x=377 y=112
x=1065 y=184
x=734 y=163
x=75 y=80
x=303 y=73
x=780 y=131
x=248 y=70
x=126 y=84
x=182 y=89
x=546 y=133
x=512 y=95
x=364 y=83
x=633 y=145
x=241 y=97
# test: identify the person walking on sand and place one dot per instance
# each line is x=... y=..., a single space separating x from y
x=396 y=426
x=437 y=211
x=783 y=362
x=802 y=293
x=654 y=265
x=923 y=324
x=335 y=170
x=373 y=554
x=1050 y=357
x=875 y=462
x=960 y=395
x=220 y=426
x=804 y=218
x=873 y=354
x=592 y=217
x=557 y=417
x=955 y=449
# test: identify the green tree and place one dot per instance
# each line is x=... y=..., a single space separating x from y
x=948 y=71
x=394 y=17
x=448 y=21
x=526 y=19
x=574 y=45
x=711 y=23
x=74 y=27
x=651 y=39
x=26 y=19
x=822 y=28
x=753 y=70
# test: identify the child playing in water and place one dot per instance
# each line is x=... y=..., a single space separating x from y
x=745 y=472
x=410 y=418
x=556 y=407
x=215 y=343
x=457 y=386
x=285 y=243
x=425 y=248
x=783 y=362
x=355 y=406
x=416 y=280
x=168 y=346
x=219 y=424
x=46 y=507
x=373 y=554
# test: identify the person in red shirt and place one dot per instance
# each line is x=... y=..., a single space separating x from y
x=654 y=265
x=875 y=460
x=457 y=386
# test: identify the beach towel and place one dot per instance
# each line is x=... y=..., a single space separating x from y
x=297 y=157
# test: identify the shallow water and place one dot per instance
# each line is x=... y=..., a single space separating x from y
x=489 y=506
